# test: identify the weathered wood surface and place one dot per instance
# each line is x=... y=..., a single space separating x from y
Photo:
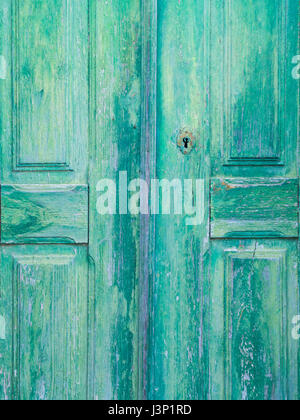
x=115 y=141
x=45 y=95
x=177 y=346
x=254 y=208
x=254 y=286
x=150 y=308
x=255 y=297
x=50 y=74
x=44 y=130
x=45 y=293
x=44 y=213
x=254 y=102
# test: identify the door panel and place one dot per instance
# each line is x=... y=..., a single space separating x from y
x=248 y=154
x=254 y=75
x=44 y=349
x=254 y=207
x=44 y=214
x=49 y=83
x=254 y=290
x=44 y=106
x=253 y=94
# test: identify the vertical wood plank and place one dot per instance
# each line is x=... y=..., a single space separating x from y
x=148 y=172
x=295 y=347
x=115 y=146
x=176 y=359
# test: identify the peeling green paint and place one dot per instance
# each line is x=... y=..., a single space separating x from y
x=120 y=307
x=3 y=68
x=2 y=328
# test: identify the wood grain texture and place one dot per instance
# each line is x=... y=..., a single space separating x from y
x=253 y=96
x=44 y=98
x=44 y=121
x=115 y=139
x=50 y=109
x=256 y=352
x=151 y=308
x=251 y=353
x=43 y=356
x=148 y=172
x=177 y=346
x=255 y=289
x=247 y=208
x=44 y=213
x=254 y=107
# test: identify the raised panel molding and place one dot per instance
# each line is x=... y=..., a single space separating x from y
x=50 y=325
x=256 y=344
x=44 y=51
x=44 y=214
x=247 y=141
x=254 y=208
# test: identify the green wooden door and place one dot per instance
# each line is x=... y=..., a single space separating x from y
x=127 y=307
x=224 y=295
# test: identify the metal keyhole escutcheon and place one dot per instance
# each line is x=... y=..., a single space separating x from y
x=185 y=141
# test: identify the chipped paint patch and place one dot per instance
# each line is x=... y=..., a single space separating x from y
x=3 y=67
x=2 y=328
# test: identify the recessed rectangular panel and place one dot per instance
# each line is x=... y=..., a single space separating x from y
x=255 y=325
x=254 y=88
x=50 y=83
x=255 y=296
x=44 y=214
x=254 y=208
x=50 y=287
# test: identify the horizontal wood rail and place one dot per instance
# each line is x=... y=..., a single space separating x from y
x=44 y=214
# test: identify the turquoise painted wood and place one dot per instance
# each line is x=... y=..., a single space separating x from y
x=44 y=351
x=221 y=310
x=254 y=207
x=254 y=292
x=115 y=145
x=44 y=213
x=149 y=307
x=44 y=129
x=255 y=289
x=177 y=357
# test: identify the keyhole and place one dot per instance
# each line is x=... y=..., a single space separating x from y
x=186 y=141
